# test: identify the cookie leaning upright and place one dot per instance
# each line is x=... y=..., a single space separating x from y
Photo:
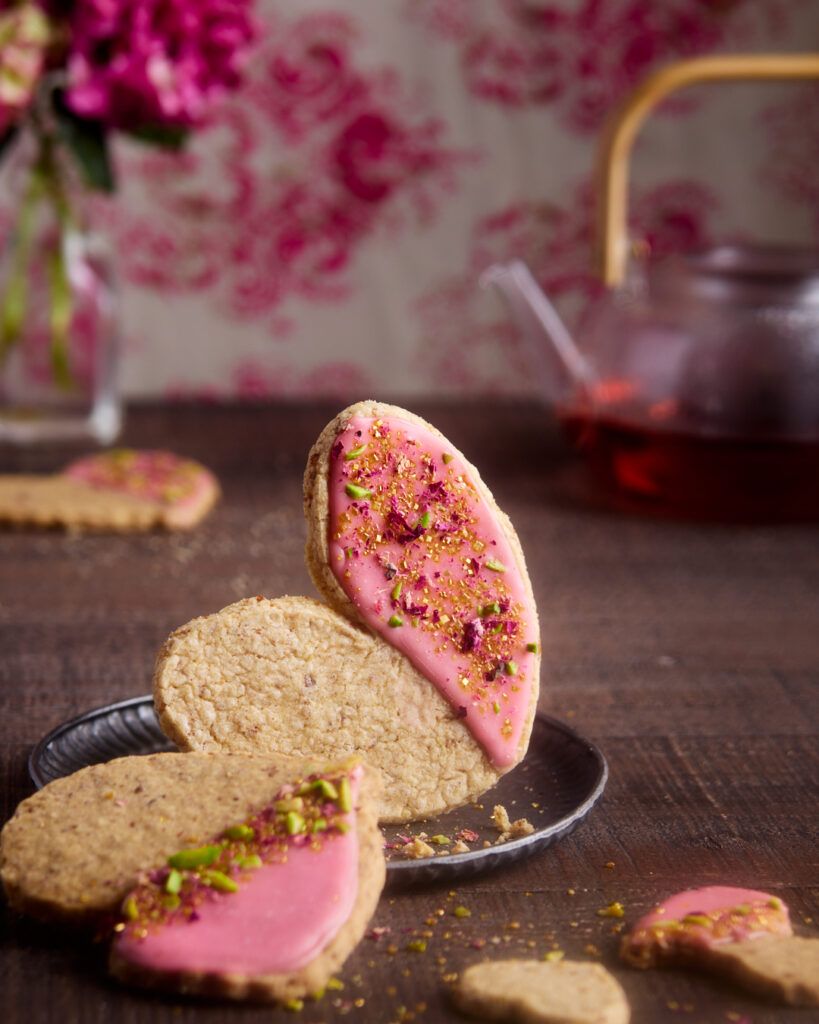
x=406 y=540
x=426 y=665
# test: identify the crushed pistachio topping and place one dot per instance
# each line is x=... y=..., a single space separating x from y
x=696 y=919
x=417 y=515
x=359 y=493
x=309 y=811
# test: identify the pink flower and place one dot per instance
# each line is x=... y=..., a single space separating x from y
x=136 y=64
x=24 y=35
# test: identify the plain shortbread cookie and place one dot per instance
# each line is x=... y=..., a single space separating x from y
x=540 y=992
x=291 y=676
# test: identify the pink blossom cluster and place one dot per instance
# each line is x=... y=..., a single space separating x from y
x=136 y=64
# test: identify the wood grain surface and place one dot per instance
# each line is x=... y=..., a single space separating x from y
x=688 y=652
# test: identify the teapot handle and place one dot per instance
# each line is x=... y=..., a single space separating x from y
x=618 y=136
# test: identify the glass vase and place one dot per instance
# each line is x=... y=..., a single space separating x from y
x=59 y=321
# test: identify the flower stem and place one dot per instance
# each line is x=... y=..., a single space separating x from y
x=60 y=316
x=45 y=185
x=61 y=311
x=15 y=296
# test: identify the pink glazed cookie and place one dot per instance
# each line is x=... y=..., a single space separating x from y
x=741 y=934
x=267 y=909
x=244 y=877
x=121 y=490
x=406 y=541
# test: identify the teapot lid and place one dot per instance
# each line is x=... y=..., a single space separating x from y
x=745 y=274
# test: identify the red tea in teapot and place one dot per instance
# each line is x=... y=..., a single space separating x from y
x=738 y=479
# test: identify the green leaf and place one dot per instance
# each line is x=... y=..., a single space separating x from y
x=6 y=139
x=88 y=142
x=161 y=135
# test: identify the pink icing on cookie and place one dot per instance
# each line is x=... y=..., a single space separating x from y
x=283 y=914
x=417 y=549
x=154 y=475
x=703 y=918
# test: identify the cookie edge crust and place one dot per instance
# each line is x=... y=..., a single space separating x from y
x=307 y=980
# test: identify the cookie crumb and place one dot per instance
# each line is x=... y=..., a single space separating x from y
x=507 y=828
x=418 y=849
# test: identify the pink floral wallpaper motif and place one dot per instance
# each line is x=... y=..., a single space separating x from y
x=584 y=56
x=791 y=168
x=351 y=154
x=325 y=235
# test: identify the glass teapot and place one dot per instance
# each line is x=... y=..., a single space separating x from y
x=695 y=388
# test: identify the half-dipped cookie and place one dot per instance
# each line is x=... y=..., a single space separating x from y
x=425 y=659
x=742 y=935
x=120 y=490
x=268 y=908
x=215 y=874
x=405 y=539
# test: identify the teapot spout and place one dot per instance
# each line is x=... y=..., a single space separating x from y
x=563 y=374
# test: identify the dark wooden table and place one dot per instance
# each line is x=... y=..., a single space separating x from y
x=689 y=653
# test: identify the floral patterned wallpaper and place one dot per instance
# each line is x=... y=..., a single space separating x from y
x=324 y=236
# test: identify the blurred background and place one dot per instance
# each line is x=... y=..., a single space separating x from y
x=324 y=234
